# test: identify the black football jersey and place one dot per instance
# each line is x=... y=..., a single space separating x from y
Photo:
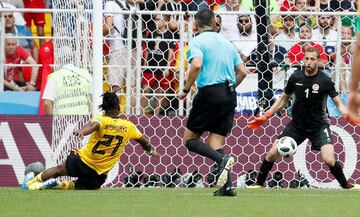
x=309 y=110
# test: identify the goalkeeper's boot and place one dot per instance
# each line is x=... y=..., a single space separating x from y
x=255 y=186
x=355 y=187
x=225 y=192
x=28 y=177
x=224 y=168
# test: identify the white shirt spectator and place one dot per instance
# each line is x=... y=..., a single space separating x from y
x=119 y=24
x=318 y=36
x=19 y=19
x=245 y=44
x=16 y=3
x=229 y=23
x=283 y=40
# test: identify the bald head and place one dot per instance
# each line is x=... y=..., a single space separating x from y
x=10 y=46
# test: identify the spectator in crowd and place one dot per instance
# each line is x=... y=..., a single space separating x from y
x=46 y=59
x=174 y=5
x=277 y=53
x=197 y=5
x=218 y=24
x=68 y=90
x=183 y=5
x=14 y=4
x=230 y=22
x=38 y=18
x=287 y=5
x=272 y=6
x=347 y=5
x=27 y=43
x=296 y=53
x=145 y=5
x=326 y=35
x=13 y=77
x=288 y=33
x=329 y=5
x=249 y=5
x=347 y=34
x=247 y=40
x=301 y=5
x=114 y=27
x=158 y=56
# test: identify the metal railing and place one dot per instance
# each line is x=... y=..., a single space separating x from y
x=97 y=40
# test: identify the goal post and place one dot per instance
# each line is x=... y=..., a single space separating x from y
x=165 y=130
x=73 y=29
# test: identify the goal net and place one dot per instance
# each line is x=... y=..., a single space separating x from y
x=151 y=65
x=72 y=37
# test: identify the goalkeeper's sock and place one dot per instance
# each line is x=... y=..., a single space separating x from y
x=337 y=171
x=65 y=185
x=203 y=149
x=37 y=178
x=228 y=183
x=264 y=171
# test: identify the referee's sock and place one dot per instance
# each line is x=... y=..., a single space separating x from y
x=337 y=171
x=203 y=149
x=264 y=171
x=228 y=183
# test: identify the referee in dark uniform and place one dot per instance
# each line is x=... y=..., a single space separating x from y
x=310 y=118
x=217 y=69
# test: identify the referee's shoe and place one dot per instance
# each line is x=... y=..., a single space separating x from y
x=224 y=169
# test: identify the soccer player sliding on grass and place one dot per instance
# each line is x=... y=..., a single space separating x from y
x=310 y=119
x=91 y=163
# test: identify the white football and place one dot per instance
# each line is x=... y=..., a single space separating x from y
x=286 y=146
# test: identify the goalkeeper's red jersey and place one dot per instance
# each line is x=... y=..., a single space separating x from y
x=105 y=146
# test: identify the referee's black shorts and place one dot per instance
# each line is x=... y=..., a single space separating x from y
x=88 y=179
x=213 y=110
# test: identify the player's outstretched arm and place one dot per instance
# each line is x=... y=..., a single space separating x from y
x=352 y=119
x=279 y=104
x=87 y=129
x=144 y=142
x=354 y=96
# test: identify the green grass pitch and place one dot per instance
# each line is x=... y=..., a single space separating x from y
x=160 y=202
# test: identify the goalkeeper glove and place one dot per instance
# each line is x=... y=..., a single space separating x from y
x=258 y=121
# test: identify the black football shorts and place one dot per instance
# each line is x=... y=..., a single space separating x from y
x=213 y=110
x=88 y=179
